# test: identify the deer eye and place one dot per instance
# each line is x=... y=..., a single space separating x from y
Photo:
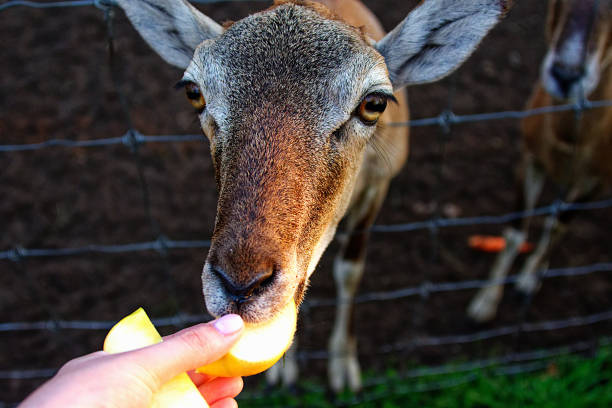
x=195 y=96
x=371 y=107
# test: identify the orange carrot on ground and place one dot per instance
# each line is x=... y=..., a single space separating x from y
x=490 y=243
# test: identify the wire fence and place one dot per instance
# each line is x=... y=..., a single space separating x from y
x=422 y=290
x=162 y=243
x=509 y=364
x=98 y=3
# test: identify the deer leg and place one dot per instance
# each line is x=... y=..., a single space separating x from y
x=343 y=365
x=484 y=305
x=528 y=281
x=554 y=229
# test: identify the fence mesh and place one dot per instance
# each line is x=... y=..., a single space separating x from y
x=447 y=121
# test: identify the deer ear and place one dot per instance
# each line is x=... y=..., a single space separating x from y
x=173 y=28
x=436 y=37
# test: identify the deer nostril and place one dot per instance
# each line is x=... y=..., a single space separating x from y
x=268 y=279
x=241 y=292
x=566 y=76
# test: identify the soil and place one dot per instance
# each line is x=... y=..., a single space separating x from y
x=56 y=84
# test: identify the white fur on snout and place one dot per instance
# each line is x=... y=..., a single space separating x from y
x=257 y=309
x=214 y=296
x=570 y=54
x=548 y=81
x=592 y=74
x=571 y=51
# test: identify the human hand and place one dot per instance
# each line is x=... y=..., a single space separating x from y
x=129 y=380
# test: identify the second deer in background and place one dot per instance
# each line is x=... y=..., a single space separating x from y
x=573 y=150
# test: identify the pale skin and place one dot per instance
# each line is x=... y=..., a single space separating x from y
x=129 y=380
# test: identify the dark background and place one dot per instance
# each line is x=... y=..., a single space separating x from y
x=56 y=83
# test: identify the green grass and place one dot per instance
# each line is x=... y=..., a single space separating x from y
x=569 y=381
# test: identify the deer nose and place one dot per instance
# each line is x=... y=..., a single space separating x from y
x=566 y=76
x=240 y=292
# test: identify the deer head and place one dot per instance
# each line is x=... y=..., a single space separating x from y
x=579 y=46
x=289 y=98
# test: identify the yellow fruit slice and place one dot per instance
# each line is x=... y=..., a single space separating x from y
x=136 y=331
x=132 y=332
x=259 y=347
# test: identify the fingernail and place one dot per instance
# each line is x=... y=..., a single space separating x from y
x=229 y=324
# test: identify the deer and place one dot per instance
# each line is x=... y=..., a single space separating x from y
x=574 y=153
x=294 y=101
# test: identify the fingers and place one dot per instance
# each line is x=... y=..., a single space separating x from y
x=225 y=403
x=215 y=389
x=189 y=348
x=221 y=388
x=198 y=378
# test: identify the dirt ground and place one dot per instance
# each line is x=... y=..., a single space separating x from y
x=56 y=83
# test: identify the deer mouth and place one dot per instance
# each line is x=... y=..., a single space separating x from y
x=570 y=82
x=256 y=301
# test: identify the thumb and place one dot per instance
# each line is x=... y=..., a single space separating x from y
x=189 y=348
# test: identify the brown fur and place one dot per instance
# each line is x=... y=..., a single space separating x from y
x=293 y=153
x=330 y=11
x=281 y=184
x=353 y=14
x=573 y=151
